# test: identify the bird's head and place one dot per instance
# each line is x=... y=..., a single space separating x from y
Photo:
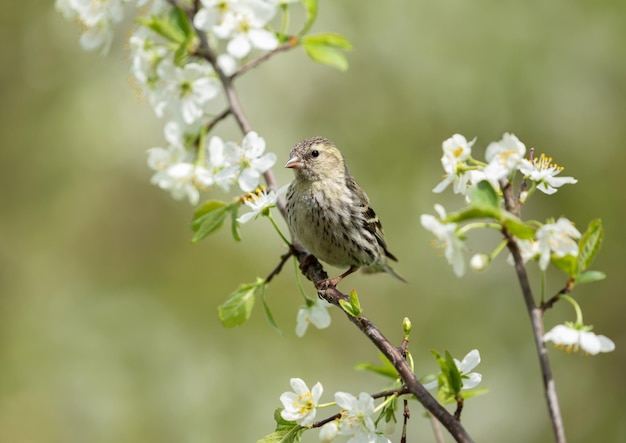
x=316 y=159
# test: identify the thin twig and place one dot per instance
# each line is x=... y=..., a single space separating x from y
x=291 y=43
x=277 y=269
x=536 y=319
x=459 y=408
x=552 y=300
x=406 y=414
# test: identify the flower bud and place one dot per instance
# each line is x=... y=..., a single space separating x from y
x=329 y=432
x=480 y=262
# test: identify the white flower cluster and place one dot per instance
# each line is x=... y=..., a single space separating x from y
x=96 y=18
x=356 y=418
x=183 y=90
x=185 y=173
x=504 y=158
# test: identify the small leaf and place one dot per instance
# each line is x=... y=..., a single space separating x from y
x=234 y=227
x=164 y=28
x=238 y=306
x=354 y=301
x=286 y=431
x=590 y=276
x=329 y=39
x=469 y=393
x=347 y=306
x=456 y=383
x=518 y=228
x=325 y=48
x=483 y=196
x=471 y=213
x=567 y=264
x=590 y=244
x=178 y=18
x=268 y=313
x=208 y=218
x=386 y=369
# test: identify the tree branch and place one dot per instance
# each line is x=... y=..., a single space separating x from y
x=310 y=266
x=291 y=43
x=536 y=319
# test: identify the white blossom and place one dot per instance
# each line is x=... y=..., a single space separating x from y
x=447 y=239
x=470 y=379
x=300 y=405
x=544 y=172
x=356 y=418
x=315 y=313
x=504 y=157
x=556 y=238
x=570 y=338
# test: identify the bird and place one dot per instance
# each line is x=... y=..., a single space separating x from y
x=330 y=214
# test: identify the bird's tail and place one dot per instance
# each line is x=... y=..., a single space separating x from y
x=383 y=268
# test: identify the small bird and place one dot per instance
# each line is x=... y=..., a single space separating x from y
x=329 y=213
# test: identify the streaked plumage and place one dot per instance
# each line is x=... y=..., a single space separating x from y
x=329 y=213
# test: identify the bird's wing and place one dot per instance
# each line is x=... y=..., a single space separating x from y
x=370 y=220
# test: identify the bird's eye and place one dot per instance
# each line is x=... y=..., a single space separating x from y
x=315 y=153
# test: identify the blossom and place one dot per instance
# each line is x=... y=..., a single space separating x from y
x=456 y=150
x=356 y=418
x=146 y=55
x=447 y=239
x=571 y=338
x=248 y=32
x=184 y=91
x=558 y=239
x=96 y=19
x=315 y=312
x=241 y=22
x=175 y=171
x=247 y=161
x=258 y=202
x=504 y=157
x=544 y=172
x=300 y=406
x=470 y=379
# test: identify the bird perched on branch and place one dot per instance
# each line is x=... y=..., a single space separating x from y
x=329 y=213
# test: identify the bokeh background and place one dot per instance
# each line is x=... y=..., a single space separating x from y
x=108 y=325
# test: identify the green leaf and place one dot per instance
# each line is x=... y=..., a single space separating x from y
x=281 y=423
x=484 y=197
x=326 y=49
x=456 y=383
x=238 y=306
x=590 y=244
x=178 y=19
x=469 y=393
x=567 y=264
x=518 y=228
x=386 y=369
x=352 y=307
x=181 y=55
x=164 y=27
x=329 y=39
x=286 y=431
x=268 y=313
x=208 y=218
x=311 y=15
x=234 y=227
x=590 y=276
x=470 y=214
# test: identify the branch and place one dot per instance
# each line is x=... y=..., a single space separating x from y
x=291 y=43
x=279 y=267
x=310 y=266
x=536 y=319
x=313 y=270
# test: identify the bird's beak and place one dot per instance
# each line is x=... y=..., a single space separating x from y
x=294 y=163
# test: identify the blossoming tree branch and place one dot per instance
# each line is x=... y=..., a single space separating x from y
x=186 y=56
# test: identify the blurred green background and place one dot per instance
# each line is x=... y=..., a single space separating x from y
x=108 y=326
